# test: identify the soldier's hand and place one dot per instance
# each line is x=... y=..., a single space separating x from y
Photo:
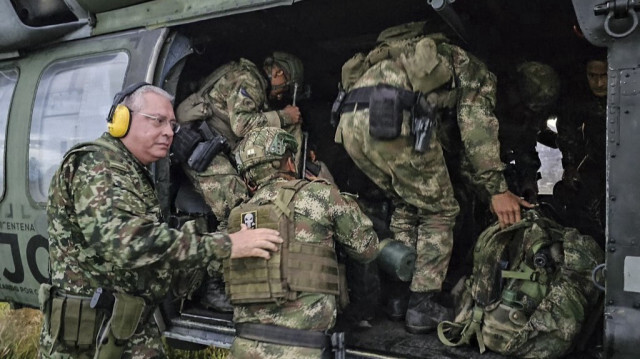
x=254 y=243
x=507 y=207
x=293 y=114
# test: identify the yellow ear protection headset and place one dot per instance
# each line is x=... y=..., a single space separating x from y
x=119 y=120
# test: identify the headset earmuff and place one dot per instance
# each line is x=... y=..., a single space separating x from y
x=119 y=119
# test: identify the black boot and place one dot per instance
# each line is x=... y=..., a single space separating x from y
x=397 y=299
x=214 y=297
x=396 y=308
x=424 y=313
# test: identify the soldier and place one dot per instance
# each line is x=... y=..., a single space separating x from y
x=292 y=322
x=105 y=231
x=409 y=73
x=582 y=132
x=233 y=100
x=524 y=104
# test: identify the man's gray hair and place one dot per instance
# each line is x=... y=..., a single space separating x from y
x=134 y=101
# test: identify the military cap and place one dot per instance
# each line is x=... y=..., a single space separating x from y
x=538 y=83
x=290 y=64
x=264 y=145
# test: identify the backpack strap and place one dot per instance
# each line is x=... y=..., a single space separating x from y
x=465 y=331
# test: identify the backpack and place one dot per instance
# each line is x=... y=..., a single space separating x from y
x=427 y=70
x=530 y=292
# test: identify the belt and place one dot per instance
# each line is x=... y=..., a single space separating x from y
x=359 y=98
x=284 y=336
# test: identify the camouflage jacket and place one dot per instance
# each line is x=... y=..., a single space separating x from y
x=105 y=227
x=471 y=141
x=239 y=101
x=322 y=215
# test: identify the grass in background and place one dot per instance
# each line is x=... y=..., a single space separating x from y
x=20 y=335
x=19 y=332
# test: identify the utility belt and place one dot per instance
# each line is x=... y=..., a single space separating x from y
x=386 y=105
x=274 y=334
x=105 y=321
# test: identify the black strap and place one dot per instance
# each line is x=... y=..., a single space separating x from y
x=359 y=98
x=275 y=334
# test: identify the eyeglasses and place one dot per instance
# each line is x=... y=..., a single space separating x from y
x=161 y=121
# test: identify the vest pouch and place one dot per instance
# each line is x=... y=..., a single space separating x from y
x=256 y=280
x=385 y=113
x=125 y=317
x=44 y=299
x=55 y=319
x=193 y=108
x=352 y=70
x=343 y=297
x=503 y=328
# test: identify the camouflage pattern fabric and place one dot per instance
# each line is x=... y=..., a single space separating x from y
x=238 y=104
x=544 y=325
x=244 y=348
x=220 y=186
x=146 y=344
x=322 y=215
x=105 y=229
x=475 y=138
x=418 y=183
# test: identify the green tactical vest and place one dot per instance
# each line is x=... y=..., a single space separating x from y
x=511 y=301
x=295 y=267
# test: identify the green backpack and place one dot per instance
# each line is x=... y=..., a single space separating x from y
x=530 y=292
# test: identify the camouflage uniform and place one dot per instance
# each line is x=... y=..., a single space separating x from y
x=322 y=215
x=105 y=230
x=419 y=183
x=238 y=103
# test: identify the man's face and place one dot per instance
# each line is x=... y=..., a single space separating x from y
x=147 y=140
x=278 y=79
x=597 y=77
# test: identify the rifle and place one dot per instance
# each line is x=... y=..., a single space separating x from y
x=207 y=150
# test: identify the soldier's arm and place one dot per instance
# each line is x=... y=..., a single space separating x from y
x=478 y=125
x=352 y=228
x=246 y=108
x=112 y=216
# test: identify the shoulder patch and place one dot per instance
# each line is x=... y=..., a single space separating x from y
x=250 y=219
x=243 y=92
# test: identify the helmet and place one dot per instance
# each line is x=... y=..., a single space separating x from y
x=263 y=145
x=290 y=64
x=538 y=83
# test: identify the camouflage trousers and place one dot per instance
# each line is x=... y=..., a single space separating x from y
x=146 y=344
x=245 y=348
x=419 y=185
x=220 y=186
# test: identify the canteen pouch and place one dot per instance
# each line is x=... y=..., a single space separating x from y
x=385 y=112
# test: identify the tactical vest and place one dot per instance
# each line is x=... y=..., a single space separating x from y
x=295 y=267
x=530 y=291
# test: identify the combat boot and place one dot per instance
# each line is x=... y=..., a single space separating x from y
x=214 y=297
x=424 y=312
